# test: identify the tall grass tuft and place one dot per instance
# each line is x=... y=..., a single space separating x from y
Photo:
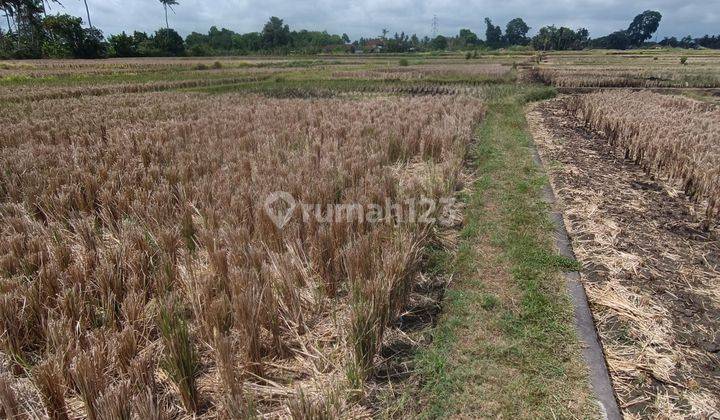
x=181 y=360
x=48 y=380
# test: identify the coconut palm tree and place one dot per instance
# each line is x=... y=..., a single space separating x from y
x=87 y=10
x=168 y=4
x=7 y=7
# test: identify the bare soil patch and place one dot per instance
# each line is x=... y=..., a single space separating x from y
x=651 y=274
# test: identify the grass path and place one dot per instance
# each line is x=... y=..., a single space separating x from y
x=505 y=345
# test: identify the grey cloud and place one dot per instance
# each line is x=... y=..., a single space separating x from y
x=368 y=17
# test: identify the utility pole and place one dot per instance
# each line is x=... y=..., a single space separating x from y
x=434 y=26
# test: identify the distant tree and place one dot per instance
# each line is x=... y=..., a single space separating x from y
x=516 y=32
x=688 y=42
x=168 y=4
x=618 y=40
x=669 y=42
x=122 y=45
x=252 y=41
x=468 y=37
x=553 y=38
x=220 y=39
x=346 y=38
x=643 y=27
x=275 y=34
x=313 y=41
x=69 y=39
x=493 y=34
x=414 y=41
x=29 y=34
x=439 y=43
x=165 y=42
x=398 y=43
x=708 y=41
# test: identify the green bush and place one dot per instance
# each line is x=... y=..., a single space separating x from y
x=404 y=62
x=468 y=55
x=683 y=60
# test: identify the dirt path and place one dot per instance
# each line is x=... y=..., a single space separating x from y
x=652 y=277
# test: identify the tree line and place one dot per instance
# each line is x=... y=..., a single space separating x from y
x=33 y=33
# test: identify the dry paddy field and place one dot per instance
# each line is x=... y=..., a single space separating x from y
x=142 y=274
x=637 y=175
x=139 y=264
x=349 y=237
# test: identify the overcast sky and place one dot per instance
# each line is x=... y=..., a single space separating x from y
x=367 y=17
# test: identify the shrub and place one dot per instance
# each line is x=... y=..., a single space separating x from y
x=404 y=62
x=683 y=60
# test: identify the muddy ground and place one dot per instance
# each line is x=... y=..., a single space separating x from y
x=651 y=275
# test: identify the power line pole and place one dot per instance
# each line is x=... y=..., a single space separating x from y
x=434 y=26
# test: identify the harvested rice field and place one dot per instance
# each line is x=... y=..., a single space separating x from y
x=646 y=239
x=359 y=236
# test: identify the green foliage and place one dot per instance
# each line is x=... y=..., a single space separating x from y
x=68 y=39
x=516 y=32
x=553 y=38
x=274 y=38
x=468 y=37
x=275 y=34
x=121 y=45
x=643 y=27
x=618 y=40
x=690 y=42
x=7 y=45
x=683 y=60
x=640 y=30
x=404 y=62
x=439 y=43
x=165 y=42
x=493 y=34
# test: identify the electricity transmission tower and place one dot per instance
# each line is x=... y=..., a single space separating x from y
x=434 y=26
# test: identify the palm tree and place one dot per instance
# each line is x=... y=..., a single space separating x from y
x=7 y=7
x=166 y=4
x=87 y=10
